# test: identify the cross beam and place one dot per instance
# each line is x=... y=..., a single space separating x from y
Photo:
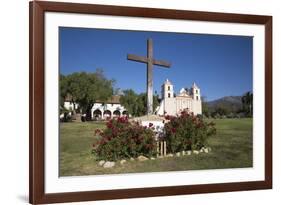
x=143 y=59
x=150 y=61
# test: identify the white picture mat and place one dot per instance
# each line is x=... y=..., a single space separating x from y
x=55 y=184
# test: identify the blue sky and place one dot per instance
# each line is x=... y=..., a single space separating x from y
x=220 y=65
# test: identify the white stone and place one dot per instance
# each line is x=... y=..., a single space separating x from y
x=123 y=161
x=169 y=155
x=196 y=152
x=178 y=154
x=206 y=150
x=132 y=159
x=183 y=153
x=202 y=150
x=101 y=162
x=152 y=158
x=189 y=152
x=108 y=164
x=142 y=158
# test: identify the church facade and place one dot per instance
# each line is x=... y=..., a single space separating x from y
x=173 y=104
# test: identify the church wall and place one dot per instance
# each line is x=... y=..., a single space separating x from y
x=170 y=105
x=183 y=103
x=107 y=106
x=179 y=104
x=174 y=106
x=197 y=107
x=160 y=110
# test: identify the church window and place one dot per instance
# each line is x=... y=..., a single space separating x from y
x=169 y=95
x=168 y=87
x=196 y=91
x=196 y=97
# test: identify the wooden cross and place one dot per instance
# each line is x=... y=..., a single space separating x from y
x=150 y=62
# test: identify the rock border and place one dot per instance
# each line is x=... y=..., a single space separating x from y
x=141 y=158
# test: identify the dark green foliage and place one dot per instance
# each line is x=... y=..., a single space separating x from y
x=123 y=139
x=187 y=132
x=205 y=108
x=136 y=103
x=142 y=98
x=129 y=100
x=63 y=89
x=247 y=101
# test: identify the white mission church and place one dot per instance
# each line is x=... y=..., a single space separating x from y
x=171 y=103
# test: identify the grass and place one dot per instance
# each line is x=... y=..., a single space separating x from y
x=231 y=148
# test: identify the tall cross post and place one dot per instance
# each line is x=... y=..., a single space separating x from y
x=150 y=61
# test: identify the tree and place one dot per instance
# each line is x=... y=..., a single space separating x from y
x=136 y=103
x=221 y=110
x=143 y=103
x=247 y=101
x=63 y=90
x=129 y=100
x=86 y=88
x=205 y=107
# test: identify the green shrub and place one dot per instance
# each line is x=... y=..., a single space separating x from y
x=123 y=139
x=187 y=132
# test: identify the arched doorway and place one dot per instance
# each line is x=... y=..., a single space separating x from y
x=107 y=114
x=125 y=113
x=97 y=114
x=116 y=113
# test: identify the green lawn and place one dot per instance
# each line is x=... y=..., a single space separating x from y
x=231 y=148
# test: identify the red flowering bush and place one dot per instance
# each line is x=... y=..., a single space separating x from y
x=187 y=132
x=123 y=139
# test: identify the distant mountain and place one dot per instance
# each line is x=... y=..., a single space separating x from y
x=226 y=99
x=233 y=103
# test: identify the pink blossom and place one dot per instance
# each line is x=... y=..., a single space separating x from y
x=167 y=117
